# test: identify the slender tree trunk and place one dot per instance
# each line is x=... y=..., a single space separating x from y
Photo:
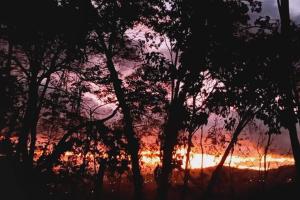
x=265 y=158
x=65 y=144
x=133 y=143
x=171 y=131
x=187 y=167
x=188 y=152
x=170 y=134
x=231 y=184
x=99 y=179
x=29 y=117
x=259 y=157
x=295 y=144
x=295 y=148
x=33 y=139
x=168 y=148
x=84 y=159
x=216 y=173
x=202 y=155
x=283 y=7
x=33 y=132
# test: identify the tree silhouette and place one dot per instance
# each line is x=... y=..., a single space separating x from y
x=285 y=73
x=189 y=26
x=39 y=49
x=256 y=93
x=110 y=21
x=85 y=83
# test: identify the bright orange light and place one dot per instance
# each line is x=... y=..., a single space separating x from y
x=150 y=159
x=196 y=161
x=273 y=161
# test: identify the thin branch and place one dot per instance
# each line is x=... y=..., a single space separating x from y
x=111 y=115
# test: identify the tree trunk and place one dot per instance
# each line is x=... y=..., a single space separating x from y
x=188 y=152
x=86 y=148
x=287 y=85
x=33 y=136
x=133 y=143
x=187 y=167
x=67 y=142
x=265 y=158
x=202 y=155
x=292 y=129
x=170 y=132
x=29 y=118
x=295 y=148
x=35 y=122
x=99 y=179
x=62 y=147
x=168 y=148
x=231 y=183
x=216 y=173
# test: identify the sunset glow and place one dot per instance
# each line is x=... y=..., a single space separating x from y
x=150 y=159
x=251 y=162
x=149 y=100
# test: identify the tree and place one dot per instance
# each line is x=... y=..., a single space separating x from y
x=285 y=74
x=10 y=90
x=193 y=125
x=110 y=21
x=39 y=49
x=188 y=26
x=248 y=84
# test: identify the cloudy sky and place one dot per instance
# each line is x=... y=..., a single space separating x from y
x=270 y=8
x=281 y=142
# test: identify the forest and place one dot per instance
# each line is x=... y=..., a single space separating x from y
x=149 y=99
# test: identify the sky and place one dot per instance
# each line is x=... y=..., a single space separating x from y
x=270 y=8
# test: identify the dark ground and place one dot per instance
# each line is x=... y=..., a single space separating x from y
x=16 y=184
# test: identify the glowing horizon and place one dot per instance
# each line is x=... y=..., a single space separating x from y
x=209 y=160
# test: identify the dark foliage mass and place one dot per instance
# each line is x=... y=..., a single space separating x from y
x=86 y=85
